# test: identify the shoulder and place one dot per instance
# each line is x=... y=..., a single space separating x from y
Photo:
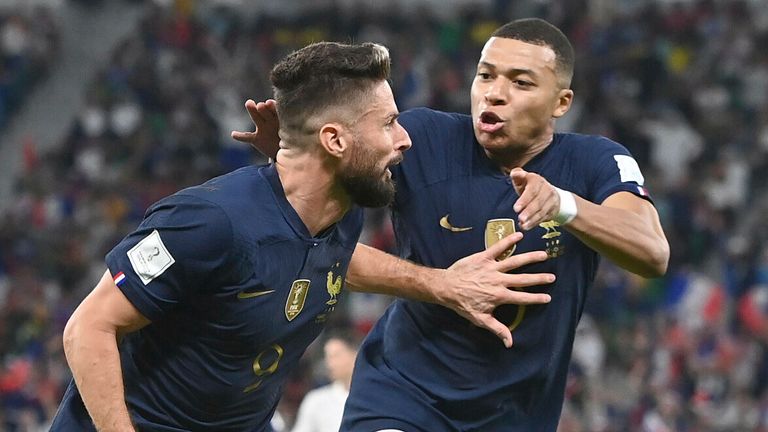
x=588 y=153
x=437 y=134
x=191 y=226
x=601 y=166
x=426 y=117
x=230 y=189
x=188 y=210
x=591 y=144
x=237 y=197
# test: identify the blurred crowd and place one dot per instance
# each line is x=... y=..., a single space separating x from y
x=28 y=47
x=682 y=84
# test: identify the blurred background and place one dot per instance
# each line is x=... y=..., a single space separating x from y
x=107 y=106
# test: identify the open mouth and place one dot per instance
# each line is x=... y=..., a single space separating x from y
x=489 y=122
x=395 y=161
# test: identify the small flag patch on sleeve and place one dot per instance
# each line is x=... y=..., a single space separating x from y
x=119 y=278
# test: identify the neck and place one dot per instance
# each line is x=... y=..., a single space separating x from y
x=311 y=189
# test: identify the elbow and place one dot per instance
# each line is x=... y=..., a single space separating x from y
x=69 y=337
x=658 y=261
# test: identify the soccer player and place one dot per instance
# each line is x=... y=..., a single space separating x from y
x=205 y=308
x=469 y=181
x=322 y=408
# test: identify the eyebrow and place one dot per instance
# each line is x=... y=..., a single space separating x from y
x=392 y=116
x=512 y=71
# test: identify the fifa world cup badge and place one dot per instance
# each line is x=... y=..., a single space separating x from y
x=296 y=298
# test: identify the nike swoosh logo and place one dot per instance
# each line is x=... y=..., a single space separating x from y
x=447 y=225
x=246 y=295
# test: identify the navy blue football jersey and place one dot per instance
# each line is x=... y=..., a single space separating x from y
x=424 y=368
x=236 y=289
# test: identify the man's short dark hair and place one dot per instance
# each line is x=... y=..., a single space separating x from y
x=323 y=76
x=539 y=32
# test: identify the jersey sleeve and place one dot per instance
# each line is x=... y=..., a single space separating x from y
x=180 y=248
x=615 y=170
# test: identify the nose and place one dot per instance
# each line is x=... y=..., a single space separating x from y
x=403 y=141
x=496 y=93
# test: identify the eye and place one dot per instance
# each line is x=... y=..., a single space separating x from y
x=484 y=75
x=523 y=83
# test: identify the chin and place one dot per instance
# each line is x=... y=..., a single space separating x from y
x=493 y=142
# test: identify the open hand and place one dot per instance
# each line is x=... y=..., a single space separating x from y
x=477 y=284
x=265 y=138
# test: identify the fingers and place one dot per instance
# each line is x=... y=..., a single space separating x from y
x=516 y=261
x=518 y=179
x=537 y=203
x=246 y=137
x=530 y=191
x=262 y=113
x=524 y=280
x=497 y=248
x=490 y=323
x=532 y=216
x=270 y=109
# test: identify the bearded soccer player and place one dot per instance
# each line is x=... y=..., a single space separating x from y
x=207 y=306
x=470 y=181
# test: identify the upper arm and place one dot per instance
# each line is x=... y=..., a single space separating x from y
x=639 y=206
x=363 y=265
x=107 y=309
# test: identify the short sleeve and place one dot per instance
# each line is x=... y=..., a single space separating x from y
x=180 y=248
x=615 y=170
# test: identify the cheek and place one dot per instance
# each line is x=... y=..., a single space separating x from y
x=475 y=97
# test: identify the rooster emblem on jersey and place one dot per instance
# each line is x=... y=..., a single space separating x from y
x=333 y=286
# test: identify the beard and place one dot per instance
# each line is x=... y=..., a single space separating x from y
x=365 y=184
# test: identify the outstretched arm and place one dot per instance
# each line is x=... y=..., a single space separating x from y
x=265 y=138
x=624 y=228
x=473 y=286
x=90 y=344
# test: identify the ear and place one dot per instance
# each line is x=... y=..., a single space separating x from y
x=333 y=139
x=564 y=99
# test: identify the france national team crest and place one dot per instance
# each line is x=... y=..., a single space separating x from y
x=296 y=298
x=497 y=229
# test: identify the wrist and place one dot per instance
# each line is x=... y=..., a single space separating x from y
x=568 y=209
x=431 y=285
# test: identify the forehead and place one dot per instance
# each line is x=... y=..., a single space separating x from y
x=381 y=102
x=508 y=53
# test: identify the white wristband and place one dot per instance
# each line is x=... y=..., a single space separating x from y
x=568 y=207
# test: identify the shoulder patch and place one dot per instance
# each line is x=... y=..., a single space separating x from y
x=628 y=169
x=150 y=258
